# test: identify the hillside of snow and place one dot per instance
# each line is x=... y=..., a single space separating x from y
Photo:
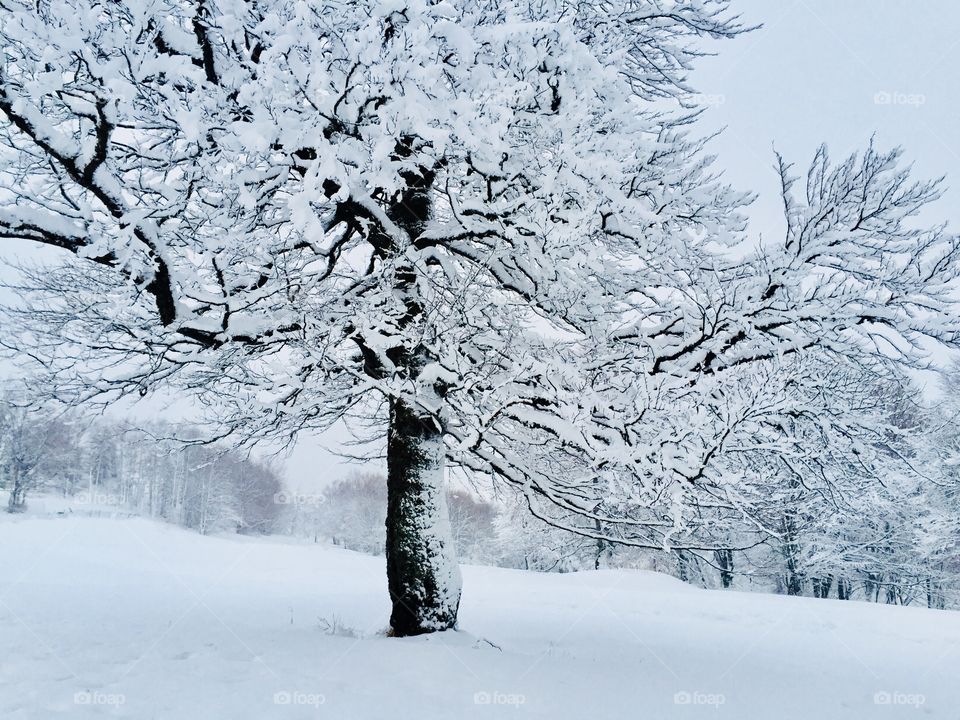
x=131 y=618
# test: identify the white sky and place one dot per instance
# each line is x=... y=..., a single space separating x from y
x=815 y=73
x=818 y=71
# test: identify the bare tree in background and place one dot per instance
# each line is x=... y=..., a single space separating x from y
x=25 y=447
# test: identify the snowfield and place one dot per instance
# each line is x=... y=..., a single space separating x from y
x=131 y=618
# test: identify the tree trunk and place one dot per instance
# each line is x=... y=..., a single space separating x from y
x=790 y=549
x=16 y=502
x=724 y=560
x=844 y=589
x=821 y=586
x=601 y=546
x=422 y=571
x=18 y=493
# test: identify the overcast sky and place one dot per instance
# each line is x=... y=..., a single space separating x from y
x=836 y=71
x=833 y=71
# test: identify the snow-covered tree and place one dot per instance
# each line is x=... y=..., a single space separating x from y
x=105 y=464
x=353 y=513
x=472 y=521
x=486 y=224
x=25 y=441
x=858 y=510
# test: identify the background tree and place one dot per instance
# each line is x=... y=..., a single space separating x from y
x=25 y=447
x=100 y=466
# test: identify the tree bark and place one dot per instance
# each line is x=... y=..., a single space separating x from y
x=821 y=586
x=790 y=550
x=17 y=501
x=844 y=589
x=724 y=559
x=422 y=571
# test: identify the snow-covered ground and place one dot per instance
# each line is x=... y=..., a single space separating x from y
x=129 y=618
